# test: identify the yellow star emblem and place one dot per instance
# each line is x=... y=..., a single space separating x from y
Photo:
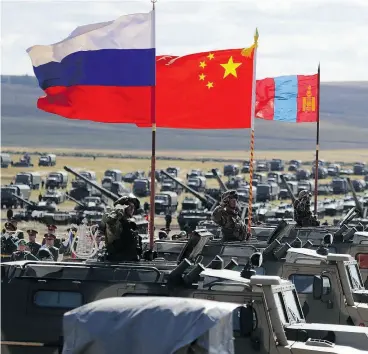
x=209 y=85
x=210 y=56
x=230 y=67
x=202 y=76
x=202 y=64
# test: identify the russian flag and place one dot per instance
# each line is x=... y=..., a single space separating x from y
x=102 y=72
x=292 y=98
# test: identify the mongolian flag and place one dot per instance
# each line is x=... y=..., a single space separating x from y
x=290 y=99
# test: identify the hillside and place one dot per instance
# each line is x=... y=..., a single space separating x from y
x=344 y=118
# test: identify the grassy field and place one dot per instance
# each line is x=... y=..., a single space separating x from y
x=100 y=165
x=328 y=155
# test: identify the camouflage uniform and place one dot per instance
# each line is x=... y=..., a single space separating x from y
x=121 y=236
x=302 y=214
x=232 y=226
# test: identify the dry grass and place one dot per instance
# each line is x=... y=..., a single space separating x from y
x=307 y=155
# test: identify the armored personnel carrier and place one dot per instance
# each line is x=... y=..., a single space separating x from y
x=268 y=319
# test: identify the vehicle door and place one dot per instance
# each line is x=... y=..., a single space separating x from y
x=360 y=253
x=326 y=309
x=259 y=341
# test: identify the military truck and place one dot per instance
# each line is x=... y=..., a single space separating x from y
x=114 y=174
x=5 y=160
x=339 y=186
x=7 y=198
x=191 y=203
x=31 y=179
x=57 y=179
x=55 y=196
x=47 y=160
x=267 y=191
x=269 y=318
x=142 y=187
x=360 y=168
x=79 y=182
x=262 y=166
x=24 y=161
x=166 y=202
x=231 y=170
x=277 y=165
x=197 y=183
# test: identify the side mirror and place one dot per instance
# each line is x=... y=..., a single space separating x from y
x=317 y=287
x=246 y=320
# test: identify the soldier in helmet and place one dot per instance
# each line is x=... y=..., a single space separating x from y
x=9 y=239
x=121 y=235
x=22 y=254
x=227 y=216
x=32 y=245
x=302 y=213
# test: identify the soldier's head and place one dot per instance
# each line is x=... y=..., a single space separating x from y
x=51 y=229
x=49 y=239
x=304 y=194
x=230 y=198
x=11 y=225
x=45 y=255
x=132 y=202
x=22 y=244
x=32 y=234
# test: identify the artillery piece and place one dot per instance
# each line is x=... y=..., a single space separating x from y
x=142 y=223
x=34 y=211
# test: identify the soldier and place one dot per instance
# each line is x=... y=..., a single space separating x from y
x=32 y=245
x=146 y=207
x=121 y=236
x=22 y=254
x=8 y=239
x=227 y=216
x=302 y=214
x=49 y=244
x=168 y=219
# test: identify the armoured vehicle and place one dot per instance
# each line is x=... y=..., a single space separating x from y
x=360 y=168
x=197 y=183
x=306 y=185
x=262 y=166
x=55 y=196
x=322 y=172
x=339 y=186
x=5 y=160
x=210 y=174
x=7 y=198
x=166 y=202
x=173 y=171
x=191 y=203
x=130 y=177
x=80 y=182
x=34 y=211
x=115 y=175
x=31 y=179
x=24 y=161
x=333 y=169
x=302 y=174
x=231 y=170
x=194 y=173
x=168 y=185
x=47 y=160
x=57 y=179
x=271 y=316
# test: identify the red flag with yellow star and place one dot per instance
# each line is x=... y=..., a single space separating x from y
x=210 y=90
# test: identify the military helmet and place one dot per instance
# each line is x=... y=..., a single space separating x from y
x=125 y=200
x=44 y=254
x=304 y=194
x=230 y=195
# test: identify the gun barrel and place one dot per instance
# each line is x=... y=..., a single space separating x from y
x=358 y=205
x=219 y=180
x=75 y=200
x=23 y=200
x=292 y=196
x=207 y=200
x=104 y=191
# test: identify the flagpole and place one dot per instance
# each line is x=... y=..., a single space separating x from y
x=253 y=112
x=317 y=143
x=153 y=122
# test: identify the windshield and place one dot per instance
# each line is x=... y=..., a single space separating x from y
x=110 y=174
x=288 y=306
x=7 y=191
x=263 y=189
x=22 y=179
x=140 y=184
x=354 y=276
x=54 y=175
x=337 y=182
x=161 y=198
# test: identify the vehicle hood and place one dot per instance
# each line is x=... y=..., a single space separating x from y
x=351 y=336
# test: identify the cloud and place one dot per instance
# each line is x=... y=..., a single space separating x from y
x=295 y=35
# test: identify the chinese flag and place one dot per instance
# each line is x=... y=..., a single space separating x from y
x=211 y=90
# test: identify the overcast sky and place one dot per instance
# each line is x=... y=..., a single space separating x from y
x=294 y=34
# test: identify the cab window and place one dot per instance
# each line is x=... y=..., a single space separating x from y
x=304 y=283
x=362 y=259
x=58 y=299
